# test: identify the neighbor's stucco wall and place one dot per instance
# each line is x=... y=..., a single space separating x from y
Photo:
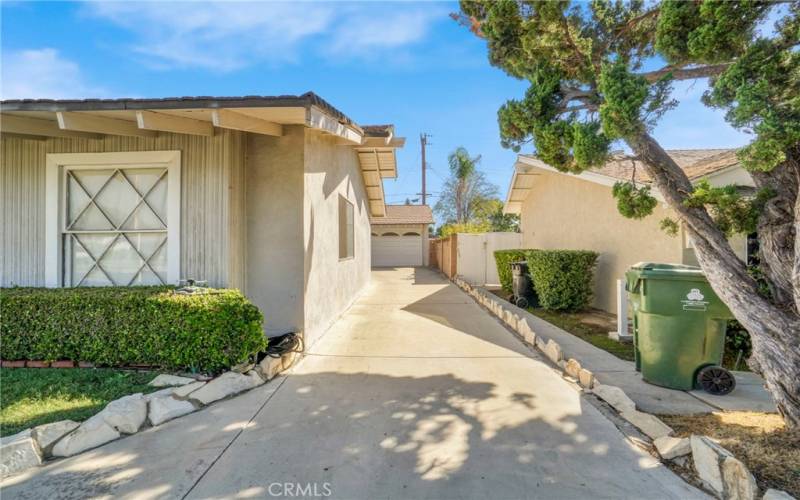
x=211 y=202
x=565 y=212
x=331 y=285
x=274 y=222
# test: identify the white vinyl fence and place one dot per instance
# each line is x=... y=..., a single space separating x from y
x=476 y=255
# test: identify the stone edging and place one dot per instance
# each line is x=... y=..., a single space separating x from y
x=718 y=470
x=133 y=413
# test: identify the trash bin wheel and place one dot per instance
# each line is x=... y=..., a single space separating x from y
x=521 y=302
x=716 y=380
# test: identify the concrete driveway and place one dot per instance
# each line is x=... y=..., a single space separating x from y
x=416 y=392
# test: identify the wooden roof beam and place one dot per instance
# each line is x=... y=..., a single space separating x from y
x=22 y=125
x=84 y=122
x=225 y=118
x=150 y=120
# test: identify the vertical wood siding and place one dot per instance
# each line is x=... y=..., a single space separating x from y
x=211 y=200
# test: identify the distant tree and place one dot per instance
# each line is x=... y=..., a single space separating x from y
x=465 y=190
x=491 y=211
x=588 y=66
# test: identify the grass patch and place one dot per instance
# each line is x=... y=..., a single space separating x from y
x=35 y=396
x=760 y=440
x=595 y=335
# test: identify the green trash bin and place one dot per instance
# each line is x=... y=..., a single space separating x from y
x=679 y=327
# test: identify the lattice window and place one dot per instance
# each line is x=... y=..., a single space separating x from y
x=115 y=226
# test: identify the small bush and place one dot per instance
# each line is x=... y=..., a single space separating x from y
x=562 y=278
x=503 y=259
x=118 y=326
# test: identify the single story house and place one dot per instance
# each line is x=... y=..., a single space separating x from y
x=561 y=210
x=270 y=195
x=400 y=238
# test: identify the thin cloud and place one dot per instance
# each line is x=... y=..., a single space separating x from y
x=43 y=74
x=226 y=36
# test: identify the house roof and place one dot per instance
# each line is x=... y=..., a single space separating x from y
x=697 y=163
x=375 y=145
x=405 y=214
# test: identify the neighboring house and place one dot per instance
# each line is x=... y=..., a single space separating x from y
x=401 y=237
x=271 y=195
x=560 y=210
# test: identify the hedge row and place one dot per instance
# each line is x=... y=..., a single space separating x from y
x=503 y=259
x=116 y=326
x=562 y=278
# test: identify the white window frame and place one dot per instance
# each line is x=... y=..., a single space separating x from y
x=55 y=205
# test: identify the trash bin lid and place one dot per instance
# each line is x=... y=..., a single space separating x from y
x=660 y=270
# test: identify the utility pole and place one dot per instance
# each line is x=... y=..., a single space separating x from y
x=423 y=141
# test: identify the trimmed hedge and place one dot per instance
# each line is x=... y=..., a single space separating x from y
x=562 y=278
x=503 y=259
x=117 y=326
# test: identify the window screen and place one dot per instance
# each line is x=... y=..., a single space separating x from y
x=115 y=226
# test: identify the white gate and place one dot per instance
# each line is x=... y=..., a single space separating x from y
x=476 y=255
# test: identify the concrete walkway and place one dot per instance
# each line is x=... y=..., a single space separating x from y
x=415 y=393
x=749 y=395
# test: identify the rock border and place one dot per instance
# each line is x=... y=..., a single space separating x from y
x=718 y=470
x=133 y=413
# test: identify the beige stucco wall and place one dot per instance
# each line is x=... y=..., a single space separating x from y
x=210 y=233
x=274 y=228
x=331 y=285
x=565 y=212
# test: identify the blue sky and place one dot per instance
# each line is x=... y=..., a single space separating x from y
x=403 y=63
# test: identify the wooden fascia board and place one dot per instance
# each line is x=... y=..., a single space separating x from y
x=319 y=120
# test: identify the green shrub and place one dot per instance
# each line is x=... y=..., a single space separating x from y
x=562 y=278
x=118 y=326
x=503 y=259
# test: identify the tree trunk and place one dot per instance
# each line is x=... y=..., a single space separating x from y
x=774 y=330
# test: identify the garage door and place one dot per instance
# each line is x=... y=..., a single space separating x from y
x=396 y=250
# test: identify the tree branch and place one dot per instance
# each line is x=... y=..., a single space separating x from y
x=686 y=73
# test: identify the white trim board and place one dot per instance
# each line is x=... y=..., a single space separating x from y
x=54 y=209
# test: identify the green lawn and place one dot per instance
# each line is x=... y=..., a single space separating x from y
x=34 y=396
x=595 y=335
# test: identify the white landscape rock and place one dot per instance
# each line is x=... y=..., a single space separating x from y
x=553 y=351
x=647 y=423
x=614 y=396
x=739 y=484
x=586 y=378
x=672 y=447
x=184 y=390
x=166 y=380
x=707 y=457
x=227 y=384
x=269 y=367
x=47 y=435
x=91 y=434
x=126 y=414
x=541 y=343
x=772 y=494
x=573 y=368
x=19 y=452
x=166 y=408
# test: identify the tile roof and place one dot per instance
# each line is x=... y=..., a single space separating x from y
x=697 y=163
x=405 y=214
